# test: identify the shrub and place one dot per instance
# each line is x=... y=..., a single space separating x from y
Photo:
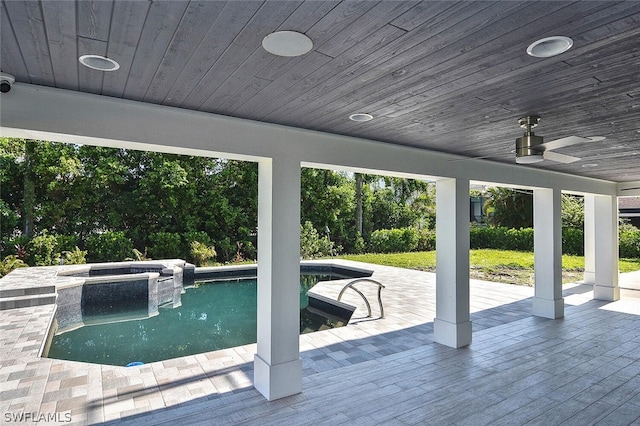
x=488 y=237
x=501 y=238
x=199 y=236
x=139 y=256
x=358 y=244
x=202 y=253
x=9 y=263
x=313 y=245
x=426 y=240
x=110 y=246
x=166 y=245
x=75 y=256
x=16 y=245
x=519 y=239
x=43 y=250
x=194 y=236
x=66 y=242
x=573 y=241
x=394 y=240
x=629 y=241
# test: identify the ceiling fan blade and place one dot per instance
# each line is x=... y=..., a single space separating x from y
x=562 y=142
x=559 y=158
x=471 y=158
x=630 y=189
x=568 y=141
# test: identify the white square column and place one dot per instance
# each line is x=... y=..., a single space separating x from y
x=452 y=326
x=601 y=246
x=277 y=364
x=547 y=247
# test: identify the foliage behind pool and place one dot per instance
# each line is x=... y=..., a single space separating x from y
x=214 y=315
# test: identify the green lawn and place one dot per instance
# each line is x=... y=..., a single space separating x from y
x=494 y=265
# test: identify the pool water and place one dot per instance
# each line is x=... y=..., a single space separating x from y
x=214 y=315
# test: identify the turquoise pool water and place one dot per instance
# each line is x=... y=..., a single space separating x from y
x=214 y=315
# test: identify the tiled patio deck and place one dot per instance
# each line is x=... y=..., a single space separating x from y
x=583 y=369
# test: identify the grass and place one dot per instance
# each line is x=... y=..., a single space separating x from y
x=493 y=265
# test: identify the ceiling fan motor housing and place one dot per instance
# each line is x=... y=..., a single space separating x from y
x=525 y=149
x=526 y=152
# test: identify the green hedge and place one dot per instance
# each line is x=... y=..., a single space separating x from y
x=572 y=240
x=167 y=245
x=46 y=249
x=629 y=241
x=501 y=238
x=109 y=247
x=394 y=240
x=426 y=240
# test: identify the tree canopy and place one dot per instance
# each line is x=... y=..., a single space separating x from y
x=111 y=201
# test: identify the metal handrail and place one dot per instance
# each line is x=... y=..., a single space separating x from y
x=380 y=287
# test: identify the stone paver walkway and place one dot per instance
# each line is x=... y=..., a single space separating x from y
x=375 y=371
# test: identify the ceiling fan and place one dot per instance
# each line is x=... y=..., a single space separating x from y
x=531 y=148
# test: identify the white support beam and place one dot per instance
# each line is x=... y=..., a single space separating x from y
x=629 y=189
x=452 y=325
x=601 y=246
x=547 y=246
x=37 y=112
x=277 y=364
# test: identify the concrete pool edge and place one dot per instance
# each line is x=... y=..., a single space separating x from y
x=41 y=286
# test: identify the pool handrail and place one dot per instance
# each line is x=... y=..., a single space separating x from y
x=350 y=285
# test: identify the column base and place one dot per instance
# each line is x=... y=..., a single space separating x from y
x=452 y=335
x=602 y=292
x=546 y=308
x=277 y=381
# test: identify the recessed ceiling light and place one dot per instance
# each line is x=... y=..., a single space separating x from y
x=287 y=43
x=360 y=117
x=549 y=46
x=99 y=63
x=590 y=165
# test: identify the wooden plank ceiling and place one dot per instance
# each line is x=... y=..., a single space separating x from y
x=444 y=75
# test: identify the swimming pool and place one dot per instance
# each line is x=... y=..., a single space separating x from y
x=213 y=315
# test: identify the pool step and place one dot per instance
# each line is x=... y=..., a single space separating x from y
x=25 y=297
x=27 y=291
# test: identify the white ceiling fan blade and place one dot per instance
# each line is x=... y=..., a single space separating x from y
x=559 y=158
x=568 y=141
x=562 y=142
x=471 y=158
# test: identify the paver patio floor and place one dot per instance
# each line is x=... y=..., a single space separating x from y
x=520 y=369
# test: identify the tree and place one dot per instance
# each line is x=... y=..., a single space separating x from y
x=327 y=201
x=358 y=177
x=572 y=211
x=85 y=196
x=511 y=208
